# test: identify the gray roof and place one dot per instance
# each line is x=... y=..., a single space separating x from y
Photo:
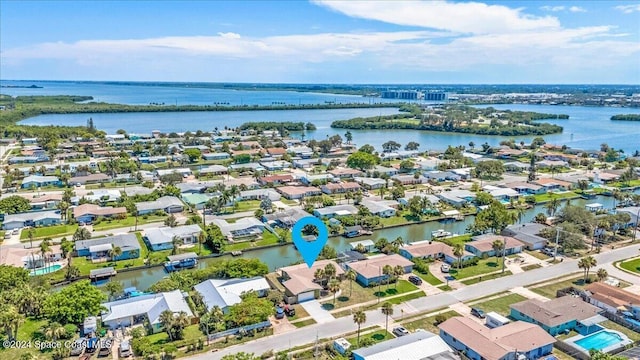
x=164 y=235
x=289 y=216
x=419 y=345
x=162 y=203
x=227 y=292
x=33 y=216
x=527 y=233
x=152 y=305
x=126 y=242
x=337 y=208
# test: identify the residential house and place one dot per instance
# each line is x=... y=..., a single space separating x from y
x=213 y=170
x=277 y=165
x=27 y=159
x=90 y=179
x=298 y=192
x=275 y=180
x=441 y=176
x=321 y=178
x=528 y=234
x=482 y=245
x=299 y=280
x=371 y=183
x=305 y=163
x=340 y=188
x=86 y=213
x=515 y=166
x=45 y=202
x=304 y=152
x=553 y=184
x=182 y=171
x=216 y=156
x=247 y=167
x=409 y=179
x=432 y=199
x=612 y=299
x=432 y=250
x=34 y=219
x=99 y=249
x=37 y=181
x=286 y=218
x=634 y=213
x=345 y=173
x=452 y=199
x=227 y=292
x=29 y=258
x=547 y=164
x=198 y=201
x=168 y=204
x=385 y=170
x=557 y=315
x=144 y=309
x=247 y=227
x=333 y=211
x=162 y=238
x=508 y=342
x=419 y=345
x=379 y=208
x=525 y=188
x=276 y=152
x=191 y=187
x=371 y=271
x=152 y=159
x=502 y=194
x=259 y=194
x=100 y=195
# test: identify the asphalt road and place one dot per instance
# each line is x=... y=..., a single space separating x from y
x=339 y=326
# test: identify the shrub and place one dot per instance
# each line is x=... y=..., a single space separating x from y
x=70 y=330
x=440 y=319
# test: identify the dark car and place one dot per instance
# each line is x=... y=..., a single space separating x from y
x=289 y=310
x=105 y=347
x=415 y=280
x=92 y=345
x=477 y=313
x=77 y=347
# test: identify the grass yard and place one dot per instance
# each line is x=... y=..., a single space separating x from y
x=486 y=277
x=634 y=336
x=500 y=304
x=247 y=205
x=289 y=202
x=396 y=220
x=548 y=196
x=25 y=332
x=49 y=231
x=549 y=290
x=631 y=265
x=128 y=222
x=268 y=238
x=303 y=323
x=429 y=323
x=361 y=295
x=537 y=254
x=460 y=239
x=484 y=266
x=531 y=267
x=376 y=336
x=429 y=278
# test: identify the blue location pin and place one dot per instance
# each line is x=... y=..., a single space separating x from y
x=309 y=249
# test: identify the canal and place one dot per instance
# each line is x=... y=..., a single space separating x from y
x=284 y=255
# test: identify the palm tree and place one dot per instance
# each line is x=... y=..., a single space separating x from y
x=552 y=205
x=586 y=263
x=398 y=271
x=388 y=270
x=179 y=323
x=351 y=275
x=45 y=247
x=398 y=242
x=498 y=247
x=334 y=287
x=54 y=331
x=319 y=275
x=201 y=239
x=387 y=310
x=602 y=274
x=10 y=320
x=166 y=320
x=329 y=271
x=115 y=252
x=359 y=317
x=63 y=206
x=113 y=288
x=458 y=251
x=212 y=318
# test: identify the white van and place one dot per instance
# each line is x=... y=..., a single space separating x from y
x=124 y=350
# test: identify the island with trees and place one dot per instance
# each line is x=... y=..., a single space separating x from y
x=461 y=119
x=626 y=117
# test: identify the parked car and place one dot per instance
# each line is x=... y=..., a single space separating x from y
x=289 y=310
x=445 y=268
x=279 y=312
x=400 y=331
x=77 y=347
x=415 y=280
x=124 y=350
x=92 y=345
x=477 y=313
x=105 y=347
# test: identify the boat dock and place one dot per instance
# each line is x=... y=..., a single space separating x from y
x=181 y=261
x=102 y=274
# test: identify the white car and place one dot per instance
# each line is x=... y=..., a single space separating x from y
x=445 y=268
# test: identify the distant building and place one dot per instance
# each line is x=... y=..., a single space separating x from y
x=557 y=315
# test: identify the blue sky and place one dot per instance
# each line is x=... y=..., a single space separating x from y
x=322 y=41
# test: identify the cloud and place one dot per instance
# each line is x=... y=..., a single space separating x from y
x=628 y=9
x=552 y=8
x=577 y=9
x=229 y=35
x=467 y=18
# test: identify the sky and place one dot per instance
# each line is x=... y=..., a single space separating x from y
x=346 y=42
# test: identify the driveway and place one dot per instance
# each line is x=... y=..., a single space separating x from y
x=315 y=310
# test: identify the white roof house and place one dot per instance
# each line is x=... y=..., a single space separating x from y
x=163 y=235
x=169 y=204
x=226 y=292
x=122 y=312
x=248 y=226
x=415 y=346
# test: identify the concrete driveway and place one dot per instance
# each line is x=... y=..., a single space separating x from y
x=315 y=310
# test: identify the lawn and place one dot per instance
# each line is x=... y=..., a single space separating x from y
x=361 y=294
x=25 y=333
x=631 y=265
x=484 y=266
x=548 y=196
x=376 y=336
x=429 y=278
x=500 y=304
x=531 y=267
x=268 y=238
x=128 y=222
x=549 y=290
x=429 y=323
x=460 y=239
x=396 y=220
x=486 y=277
x=247 y=205
x=303 y=323
x=634 y=336
x=537 y=254
x=49 y=231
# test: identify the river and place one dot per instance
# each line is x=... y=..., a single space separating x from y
x=277 y=257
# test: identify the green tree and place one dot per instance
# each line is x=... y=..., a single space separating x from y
x=171 y=221
x=114 y=288
x=412 y=146
x=82 y=233
x=390 y=146
x=498 y=248
x=240 y=356
x=250 y=310
x=193 y=154
x=10 y=320
x=74 y=303
x=115 y=252
x=348 y=136
x=362 y=160
x=495 y=218
x=489 y=169
x=602 y=274
x=334 y=287
x=586 y=263
x=351 y=276
x=14 y=204
x=458 y=251
x=54 y=331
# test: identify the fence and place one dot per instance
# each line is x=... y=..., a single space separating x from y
x=259 y=326
x=571 y=350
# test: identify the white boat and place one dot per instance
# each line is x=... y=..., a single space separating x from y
x=440 y=233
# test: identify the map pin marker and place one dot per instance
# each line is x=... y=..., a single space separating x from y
x=309 y=249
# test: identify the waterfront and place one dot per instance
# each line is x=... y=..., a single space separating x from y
x=280 y=256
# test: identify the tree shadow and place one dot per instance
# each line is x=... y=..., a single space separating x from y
x=391 y=291
x=492 y=264
x=378 y=337
x=328 y=306
x=343 y=298
x=379 y=294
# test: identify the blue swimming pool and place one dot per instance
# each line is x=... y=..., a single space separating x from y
x=599 y=340
x=46 y=270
